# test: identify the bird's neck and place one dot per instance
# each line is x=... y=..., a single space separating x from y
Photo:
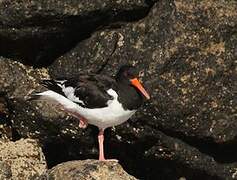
x=129 y=96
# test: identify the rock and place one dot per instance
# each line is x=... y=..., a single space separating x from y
x=38 y=119
x=88 y=56
x=186 y=52
x=182 y=154
x=18 y=82
x=88 y=169
x=5 y=171
x=24 y=157
x=191 y=82
x=5 y=128
x=37 y=32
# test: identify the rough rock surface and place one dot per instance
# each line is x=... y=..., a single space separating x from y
x=49 y=28
x=5 y=171
x=5 y=129
x=186 y=51
x=187 y=64
x=86 y=170
x=22 y=159
x=38 y=119
x=31 y=118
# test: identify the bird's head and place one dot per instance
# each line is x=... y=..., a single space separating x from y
x=129 y=75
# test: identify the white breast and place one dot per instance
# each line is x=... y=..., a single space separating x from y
x=112 y=115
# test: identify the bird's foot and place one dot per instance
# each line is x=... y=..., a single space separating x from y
x=83 y=123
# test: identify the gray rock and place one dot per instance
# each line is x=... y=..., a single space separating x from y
x=188 y=69
x=22 y=159
x=17 y=82
x=88 y=169
x=37 y=32
x=34 y=119
x=186 y=53
x=190 y=157
x=38 y=119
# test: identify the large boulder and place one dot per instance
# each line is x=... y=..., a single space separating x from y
x=35 y=119
x=36 y=32
x=185 y=60
x=58 y=132
x=186 y=52
x=22 y=159
x=87 y=169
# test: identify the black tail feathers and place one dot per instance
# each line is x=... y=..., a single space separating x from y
x=52 y=85
x=33 y=97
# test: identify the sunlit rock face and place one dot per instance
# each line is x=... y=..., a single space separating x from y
x=22 y=159
x=87 y=169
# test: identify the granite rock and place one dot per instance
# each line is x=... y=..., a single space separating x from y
x=36 y=32
x=87 y=169
x=186 y=61
x=186 y=54
x=22 y=159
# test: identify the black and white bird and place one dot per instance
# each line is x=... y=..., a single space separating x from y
x=99 y=100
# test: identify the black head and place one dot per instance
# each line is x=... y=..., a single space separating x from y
x=126 y=72
x=128 y=75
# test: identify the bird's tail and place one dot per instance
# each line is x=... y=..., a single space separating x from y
x=51 y=85
x=34 y=96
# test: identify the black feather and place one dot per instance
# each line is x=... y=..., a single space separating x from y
x=33 y=97
x=52 y=85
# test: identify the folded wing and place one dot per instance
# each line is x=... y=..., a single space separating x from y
x=88 y=91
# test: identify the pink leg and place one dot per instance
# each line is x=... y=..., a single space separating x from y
x=83 y=122
x=101 y=147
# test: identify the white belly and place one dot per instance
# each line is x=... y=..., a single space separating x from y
x=112 y=115
x=106 y=117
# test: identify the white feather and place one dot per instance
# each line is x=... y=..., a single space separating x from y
x=69 y=92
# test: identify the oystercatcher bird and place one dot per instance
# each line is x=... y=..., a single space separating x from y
x=98 y=99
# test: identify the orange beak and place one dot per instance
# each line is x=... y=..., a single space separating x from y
x=135 y=82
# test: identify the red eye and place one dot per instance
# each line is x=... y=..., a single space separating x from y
x=125 y=73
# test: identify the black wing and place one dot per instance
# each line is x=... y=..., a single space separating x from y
x=88 y=91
